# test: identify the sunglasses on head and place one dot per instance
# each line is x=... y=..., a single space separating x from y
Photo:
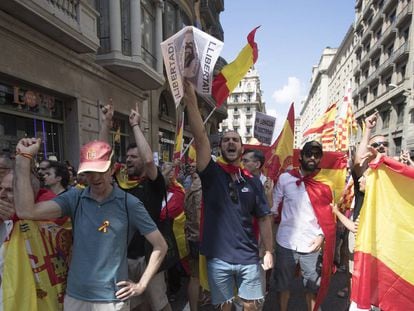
x=309 y=154
x=377 y=144
x=233 y=192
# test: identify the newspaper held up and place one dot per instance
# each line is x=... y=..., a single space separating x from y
x=190 y=54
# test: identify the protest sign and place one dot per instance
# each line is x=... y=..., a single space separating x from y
x=264 y=126
x=190 y=54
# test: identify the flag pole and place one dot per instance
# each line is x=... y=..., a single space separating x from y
x=204 y=122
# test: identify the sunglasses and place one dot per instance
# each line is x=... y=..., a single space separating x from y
x=377 y=144
x=234 y=194
x=309 y=154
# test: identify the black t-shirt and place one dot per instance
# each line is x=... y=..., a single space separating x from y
x=228 y=218
x=151 y=193
x=359 y=196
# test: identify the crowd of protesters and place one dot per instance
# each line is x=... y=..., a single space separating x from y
x=223 y=213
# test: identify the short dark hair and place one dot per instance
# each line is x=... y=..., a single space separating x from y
x=131 y=146
x=257 y=155
x=61 y=170
x=229 y=131
x=310 y=145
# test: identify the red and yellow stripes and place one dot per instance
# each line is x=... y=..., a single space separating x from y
x=384 y=271
x=324 y=127
x=279 y=156
x=228 y=78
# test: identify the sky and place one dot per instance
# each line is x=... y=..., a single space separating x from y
x=291 y=40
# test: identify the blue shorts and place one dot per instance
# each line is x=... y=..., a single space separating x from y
x=224 y=278
x=285 y=268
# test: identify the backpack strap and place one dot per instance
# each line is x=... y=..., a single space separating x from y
x=76 y=211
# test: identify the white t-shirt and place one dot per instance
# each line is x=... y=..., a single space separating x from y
x=299 y=226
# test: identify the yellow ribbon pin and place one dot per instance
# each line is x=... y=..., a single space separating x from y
x=104 y=227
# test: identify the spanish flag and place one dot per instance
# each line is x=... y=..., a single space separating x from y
x=383 y=269
x=36 y=261
x=192 y=154
x=228 y=78
x=322 y=188
x=279 y=156
x=324 y=128
x=346 y=123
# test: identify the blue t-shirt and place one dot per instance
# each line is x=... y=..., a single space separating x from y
x=99 y=259
x=228 y=223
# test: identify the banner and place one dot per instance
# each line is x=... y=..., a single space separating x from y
x=264 y=126
x=190 y=54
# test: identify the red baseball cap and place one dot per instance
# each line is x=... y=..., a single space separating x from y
x=95 y=156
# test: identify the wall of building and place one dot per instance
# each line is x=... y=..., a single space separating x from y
x=32 y=61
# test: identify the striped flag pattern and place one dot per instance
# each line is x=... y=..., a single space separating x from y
x=324 y=128
x=231 y=74
x=346 y=122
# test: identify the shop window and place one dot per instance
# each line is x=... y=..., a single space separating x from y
x=31 y=102
x=166 y=107
x=119 y=136
x=13 y=128
x=166 y=140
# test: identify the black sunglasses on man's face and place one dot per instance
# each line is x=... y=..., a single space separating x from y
x=379 y=143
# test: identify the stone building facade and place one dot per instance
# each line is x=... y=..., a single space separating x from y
x=61 y=60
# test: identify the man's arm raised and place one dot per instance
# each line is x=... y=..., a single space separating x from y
x=107 y=114
x=143 y=147
x=363 y=151
x=24 y=196
x=202 y=144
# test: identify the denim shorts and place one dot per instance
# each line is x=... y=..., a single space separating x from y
x=224 y=277
x=285 y=268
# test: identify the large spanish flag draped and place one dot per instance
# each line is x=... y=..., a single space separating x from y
x=324 y=128
x=228 y=78
x=321 y=188
x=279 y=156
x=36 y=261
x=384 y=270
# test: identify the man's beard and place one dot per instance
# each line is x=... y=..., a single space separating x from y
x=308 y=167
x=135 y=172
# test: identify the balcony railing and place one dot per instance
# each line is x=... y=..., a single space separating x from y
x=374 y=75
x=73 y=23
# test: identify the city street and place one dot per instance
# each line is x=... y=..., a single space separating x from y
x=297 y=299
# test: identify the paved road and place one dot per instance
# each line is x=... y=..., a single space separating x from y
x=296 y=303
